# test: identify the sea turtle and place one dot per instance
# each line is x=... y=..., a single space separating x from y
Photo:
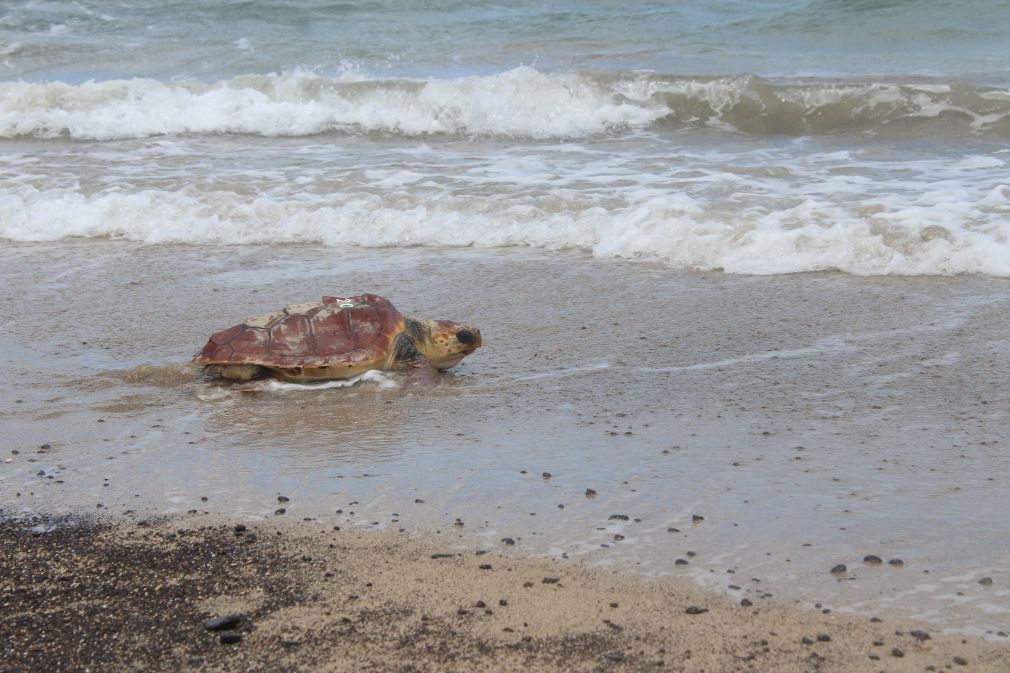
x=336 y=338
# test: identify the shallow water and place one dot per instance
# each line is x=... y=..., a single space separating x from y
x=809 y=419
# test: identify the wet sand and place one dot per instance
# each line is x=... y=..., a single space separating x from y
x=140 y=595
x=806 y=421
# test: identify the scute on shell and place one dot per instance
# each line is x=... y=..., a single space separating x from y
x=335 y=330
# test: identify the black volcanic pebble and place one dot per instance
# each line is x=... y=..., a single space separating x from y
x=239 y=528
x=746 y=603
x=960 y=661
x=230 y=637
x=897 y=653
x=590 y=493
x=840 y=568
x=872 y=558
x=985 y=581
x=695 y=610
x=283 y=498
x=441 y=555
x=823 y=638
x=551 y=580
x=807 y=640
x=896 y=562
x=919 y=634
x=697 y=517
x=223 y=622
x=279 y=511
x=508 y=541
x=618 y=517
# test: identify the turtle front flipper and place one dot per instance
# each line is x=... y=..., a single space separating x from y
x=421 y=373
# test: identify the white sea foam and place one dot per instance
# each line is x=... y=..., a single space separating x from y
x=275 y=386
x=948 y=229
x=522 y=102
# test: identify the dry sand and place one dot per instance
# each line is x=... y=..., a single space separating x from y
x=136 y=596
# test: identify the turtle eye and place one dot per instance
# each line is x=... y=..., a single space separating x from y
x=465 y=337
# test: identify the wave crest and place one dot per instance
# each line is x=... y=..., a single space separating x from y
x=518 y=103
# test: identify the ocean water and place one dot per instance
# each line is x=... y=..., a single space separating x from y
x=750 y=137
x=740 y=259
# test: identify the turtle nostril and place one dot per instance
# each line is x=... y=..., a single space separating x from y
x=465 y=337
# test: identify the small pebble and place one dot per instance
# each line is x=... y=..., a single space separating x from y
x=823 y=638
x=695 y=610
x=230 y=637
x=807 y=640
x=551 y=580
x=590 y=493
x=618 y=517
x=840 y=568
x=919 y=634
x=897 y=653
x=896 y=562
x=960 y=661
x=224 y=622
x=746 y=603
x=697 y=517
x=283 y=498
x=873 y=559
x=546 y=476
x=279 y=511
x=508 y=541
x=985 y=581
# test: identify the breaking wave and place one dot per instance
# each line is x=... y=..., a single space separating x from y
x=519 y=103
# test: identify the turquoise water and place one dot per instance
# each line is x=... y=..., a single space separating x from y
x=78 y=40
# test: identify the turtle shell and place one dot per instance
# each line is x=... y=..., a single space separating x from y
x=350 y=333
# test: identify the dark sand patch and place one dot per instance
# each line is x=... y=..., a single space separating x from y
x=137 y=597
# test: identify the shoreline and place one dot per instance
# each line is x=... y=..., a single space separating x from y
x=114 y=595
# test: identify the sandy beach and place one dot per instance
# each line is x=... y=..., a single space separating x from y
x=143 y=595
x=740 y=271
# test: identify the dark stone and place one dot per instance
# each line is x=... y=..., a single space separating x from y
x=960 y=661
x=697 y=517
x=919 y=634
x=985 y=581
x=279 y=511
x=618 y=517
x=485 y=566
x=502 y=602
x=746 y=603
x=896 y=562
x=897 y=653
x=481 y=604
x=872 y=559
x=440 y=555
x=680 y=562
x=546 y=475
x=223 y=622
x=239 y=529
x=283 y=498
x=695 y=610
x=807 y=640
x=823 y=638
x=551 y=580
x=590 y=493
x=508 y=541
x=230 y=637
x=840 y=568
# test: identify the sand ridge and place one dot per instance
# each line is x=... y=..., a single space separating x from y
x=125 y=596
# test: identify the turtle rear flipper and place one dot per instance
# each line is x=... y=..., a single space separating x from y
x=243 y=372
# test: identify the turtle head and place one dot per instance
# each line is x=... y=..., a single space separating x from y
x=445 y=342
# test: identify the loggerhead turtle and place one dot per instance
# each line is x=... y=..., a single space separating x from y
x=336 y=338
